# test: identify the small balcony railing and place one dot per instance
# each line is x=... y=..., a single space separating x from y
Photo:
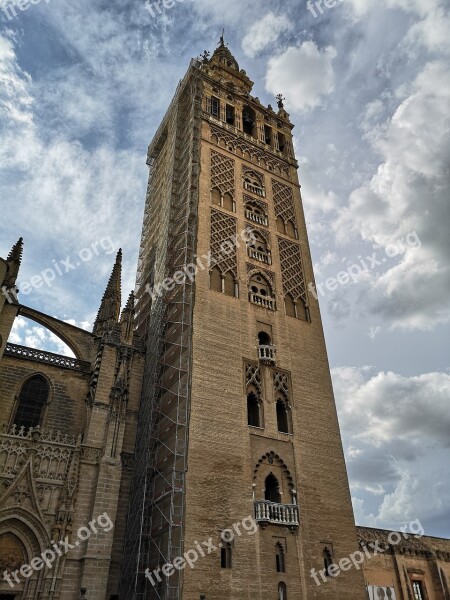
x=254 y=189
x=49 y=358
x=267 y=354
x=278 y=514
x=263 y=301
x=256 y=218
x=258 y=255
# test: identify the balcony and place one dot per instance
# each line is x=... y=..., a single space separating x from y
x=254 y=189
x=259 y=255
x=263 y=301
x=256 y=218
x=277 y=514
x=267 y=354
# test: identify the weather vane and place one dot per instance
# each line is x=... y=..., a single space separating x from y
x=280 y=100
x=222 y=39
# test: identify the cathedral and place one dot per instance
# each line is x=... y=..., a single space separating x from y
x=190 y=450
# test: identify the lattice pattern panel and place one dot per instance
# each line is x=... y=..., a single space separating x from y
x=223 y=229
x=281 y=383
x=222 y=173
x=283 y=200
x=292 y=270
x=253 y=376
x=255 y=154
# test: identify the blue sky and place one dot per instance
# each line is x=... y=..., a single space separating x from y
x=367 y=82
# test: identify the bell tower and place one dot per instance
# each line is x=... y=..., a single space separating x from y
x=238 y=443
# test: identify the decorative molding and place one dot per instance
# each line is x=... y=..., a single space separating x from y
x=255 y=153
x=91 y=455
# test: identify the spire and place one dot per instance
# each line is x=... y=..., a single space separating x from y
x=223 y=57
x=127 y=320
x=13 y=260
x=108 y=314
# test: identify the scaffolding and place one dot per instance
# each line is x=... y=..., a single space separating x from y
x=155 y=524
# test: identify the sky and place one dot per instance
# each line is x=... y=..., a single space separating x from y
x=83 y=87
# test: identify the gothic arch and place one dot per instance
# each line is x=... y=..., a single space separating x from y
x=277 y=461
x=18 y=388
x=32 y=539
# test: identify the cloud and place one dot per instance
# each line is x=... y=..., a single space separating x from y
x=409 y=193
x=27 y=333
x=264 y=32
x=395 y=431
x=78 y=195
x=303 y=73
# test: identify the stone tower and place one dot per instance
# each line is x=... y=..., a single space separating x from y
x=238 y=442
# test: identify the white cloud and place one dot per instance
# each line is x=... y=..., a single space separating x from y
x=27 y=333
x=409 y=193
x=303 y=73
x=395 y=430
x=264 y=32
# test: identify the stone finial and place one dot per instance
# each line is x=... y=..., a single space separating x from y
x=109 y=311
x=13 y=260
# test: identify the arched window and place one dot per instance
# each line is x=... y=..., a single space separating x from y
x=302 y=311
x=255 y=213
x=215 y=279
x=283 y=417
x=32 y=400
x=291 y=230
x=282 y=591
x=279 y=558
x=253 y=410
x=226 y=555
x=216 y=197
x=257 y=248
x=272 y=489
x=229 y=284
x=228 y=202
x=264 y=339
x=260 y=292
x=254 y=183
x=249 y=121
x=327 y=560
x=290 y=306
x=280 y=225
